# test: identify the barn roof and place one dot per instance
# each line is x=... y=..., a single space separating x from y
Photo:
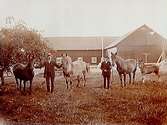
x=145 y=29
x=78 y=43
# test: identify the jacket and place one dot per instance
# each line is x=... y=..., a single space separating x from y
x=106 y=68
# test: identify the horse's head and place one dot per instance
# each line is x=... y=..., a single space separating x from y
x=140 y=63
x=31 y=64
x=113 y=58
x=66 y=63
x=38 y=63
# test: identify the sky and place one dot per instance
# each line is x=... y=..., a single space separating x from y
x=87 y=17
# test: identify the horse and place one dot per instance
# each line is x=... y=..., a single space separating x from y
x=76 y=69
x=24 y=73
x=148 y=69
x=124 y=67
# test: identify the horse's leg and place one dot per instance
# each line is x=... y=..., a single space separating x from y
x=120 y=76
x=24 y=85
x=2 y=80
x=84 y=75
x=66 y=82
x=78 y=79
x=129 y=78
x=30 y=86
x=124 y=79
x=2 y=77
x=20 y=84
x=17 y=84
x=143 y=81
x=134 y=73
x=70 y=80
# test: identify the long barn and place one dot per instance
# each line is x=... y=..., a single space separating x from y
x=142 y=43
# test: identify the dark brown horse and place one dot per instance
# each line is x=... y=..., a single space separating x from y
x=24 y=73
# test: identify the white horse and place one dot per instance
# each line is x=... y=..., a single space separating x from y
x=76 y=69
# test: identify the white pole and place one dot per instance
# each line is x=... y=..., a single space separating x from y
x=102 y=48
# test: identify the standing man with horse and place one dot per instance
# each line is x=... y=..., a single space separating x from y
x=106 y=71
x=49 y=72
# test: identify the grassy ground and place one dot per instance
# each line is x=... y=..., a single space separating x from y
x=139 y=104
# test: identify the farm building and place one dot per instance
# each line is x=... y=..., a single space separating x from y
x=142 y=43
x=87 y=48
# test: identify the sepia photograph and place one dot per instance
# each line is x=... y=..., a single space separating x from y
x=83 y=62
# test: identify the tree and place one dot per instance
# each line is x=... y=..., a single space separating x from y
x=18 y=42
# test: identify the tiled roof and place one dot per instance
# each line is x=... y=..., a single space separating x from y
x=78 y=43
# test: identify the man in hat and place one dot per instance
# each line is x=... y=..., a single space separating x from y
x=49 y=72
x=106 y=71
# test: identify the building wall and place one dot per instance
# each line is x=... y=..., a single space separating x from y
x=85 y=54
x=140 y=53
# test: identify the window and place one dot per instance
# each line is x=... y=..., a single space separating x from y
x=94 y=60
x=58 y=60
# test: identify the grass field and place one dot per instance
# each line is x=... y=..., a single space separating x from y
x=138 y=104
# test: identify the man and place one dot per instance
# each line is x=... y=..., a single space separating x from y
x=49 y=72
x=106 y=71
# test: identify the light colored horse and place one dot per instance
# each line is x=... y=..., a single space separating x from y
x=128 y=66
x=76 y=69
x=148 y=69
